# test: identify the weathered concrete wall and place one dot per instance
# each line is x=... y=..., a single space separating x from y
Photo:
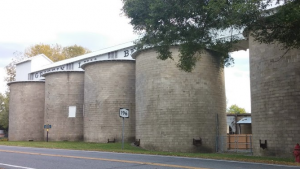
x=26 y=111
x=64 y=89
x=173 y=106
x=108 y=86
x=275 y=98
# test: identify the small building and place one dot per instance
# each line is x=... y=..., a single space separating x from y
x=25 y=67
x=239 y=124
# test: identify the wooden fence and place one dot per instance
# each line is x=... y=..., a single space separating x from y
x=239 y=141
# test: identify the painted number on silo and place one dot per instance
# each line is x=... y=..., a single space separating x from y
x=124 y=113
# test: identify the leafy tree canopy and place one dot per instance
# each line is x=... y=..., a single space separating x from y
x=4 y=104
x=72 y=51
x=234 y=109
x=281 y=25
x=55 y=52
x=196 y=25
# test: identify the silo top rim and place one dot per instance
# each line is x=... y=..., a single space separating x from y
x=29 y=81
x=135 y=54
x=85 y=56
x=98 y=61
x=70 y=71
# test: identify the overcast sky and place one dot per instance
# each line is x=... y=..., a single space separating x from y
x=93 y=24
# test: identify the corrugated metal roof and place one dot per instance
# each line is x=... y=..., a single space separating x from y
x=88 y=55
x=245 y=120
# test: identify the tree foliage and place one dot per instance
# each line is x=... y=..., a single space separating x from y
x=234 y=109
x=72 y=51
x=197 y=25
x=55 y=52
x=4 y=111
x=281 y=25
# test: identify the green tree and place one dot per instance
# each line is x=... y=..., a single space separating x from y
x=281 y=25
x=55 y=52
x=72 y=51
x=197 y=25
x=234 y=109
x=4 y=111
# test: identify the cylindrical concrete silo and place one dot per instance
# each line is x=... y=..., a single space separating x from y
x=174 y=107
x=275 y=98
x=26 y=111
x=109 y=86
x=64 y=105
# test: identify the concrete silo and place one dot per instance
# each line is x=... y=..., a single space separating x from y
x=64 y=105
x=26 y=111
x=108 y=86
x=275 y=98
x=174 y=107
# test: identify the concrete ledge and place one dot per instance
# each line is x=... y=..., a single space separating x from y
x=29 y=81
x=98 y=61
x=69 y=71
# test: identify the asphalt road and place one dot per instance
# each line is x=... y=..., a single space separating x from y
x=41 y=158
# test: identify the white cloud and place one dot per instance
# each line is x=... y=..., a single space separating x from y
x=35 y=20
x=237 y=81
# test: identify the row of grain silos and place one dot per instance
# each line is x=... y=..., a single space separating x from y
x=36 y=103
x=168 y=108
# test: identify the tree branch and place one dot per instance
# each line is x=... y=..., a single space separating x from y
x=273 y=60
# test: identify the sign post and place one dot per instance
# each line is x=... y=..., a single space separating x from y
x=124 y=113
x=47 y=126
x=123 y=134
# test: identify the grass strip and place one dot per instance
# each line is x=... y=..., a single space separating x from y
x=128 y=148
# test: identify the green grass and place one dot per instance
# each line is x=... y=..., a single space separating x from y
x=117 y=147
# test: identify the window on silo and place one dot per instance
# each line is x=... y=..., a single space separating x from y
x=72 y=111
